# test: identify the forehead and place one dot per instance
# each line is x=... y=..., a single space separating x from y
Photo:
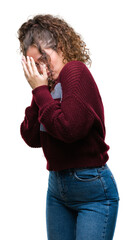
x=33 y=52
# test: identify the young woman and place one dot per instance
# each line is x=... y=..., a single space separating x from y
x=66 y=119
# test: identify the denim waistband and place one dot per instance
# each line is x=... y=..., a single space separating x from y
x=73 y=169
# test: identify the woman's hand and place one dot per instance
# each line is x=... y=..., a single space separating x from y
x=34 y=78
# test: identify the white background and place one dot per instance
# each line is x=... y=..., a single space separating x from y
x=110 y=30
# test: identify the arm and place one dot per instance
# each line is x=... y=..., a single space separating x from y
x=71 y=119
x=30 y=127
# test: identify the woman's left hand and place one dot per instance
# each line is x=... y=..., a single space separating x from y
x=34 y=78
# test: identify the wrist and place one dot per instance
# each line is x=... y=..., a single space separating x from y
x=37 y=86
x=42 y=95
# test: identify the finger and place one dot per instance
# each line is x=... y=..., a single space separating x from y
x=44 y=71
x=34 y=68
x=24 y=58
x=25 y=69
x=29 y=66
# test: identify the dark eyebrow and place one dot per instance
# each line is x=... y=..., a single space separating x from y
x=43 y=57
x=39 y=58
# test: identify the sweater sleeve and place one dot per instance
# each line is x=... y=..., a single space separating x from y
x=71 y=119
x=30 y=127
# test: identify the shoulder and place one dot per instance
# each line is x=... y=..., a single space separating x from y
x=73 y=64
x=75 y=71
x=75 y=76
x=73 y=68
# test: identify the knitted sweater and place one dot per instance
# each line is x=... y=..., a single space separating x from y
x=68 y=123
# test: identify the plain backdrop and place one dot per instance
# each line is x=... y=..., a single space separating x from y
x=109 y=29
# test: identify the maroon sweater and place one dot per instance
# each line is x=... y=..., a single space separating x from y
x=68 y=123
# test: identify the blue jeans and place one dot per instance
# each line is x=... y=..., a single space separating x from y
x=82 y=203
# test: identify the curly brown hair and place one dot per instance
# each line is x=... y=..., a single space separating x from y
x=47 y=31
